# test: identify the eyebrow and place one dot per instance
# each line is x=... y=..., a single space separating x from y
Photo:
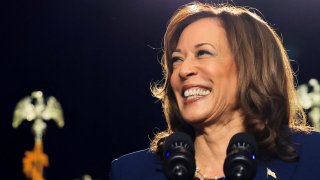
x=202 y=44
x=196 y=46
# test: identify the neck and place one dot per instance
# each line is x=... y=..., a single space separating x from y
x=211 y=144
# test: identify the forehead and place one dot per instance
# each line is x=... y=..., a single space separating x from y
x=203 y=30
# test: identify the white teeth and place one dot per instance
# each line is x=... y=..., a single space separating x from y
x=196 y=92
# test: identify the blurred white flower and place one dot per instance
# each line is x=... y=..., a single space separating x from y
x=309 y=98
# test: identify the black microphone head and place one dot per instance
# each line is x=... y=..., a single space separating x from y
x=178 y=157
x=240 y=163
x=178 y=140
x=242 y=140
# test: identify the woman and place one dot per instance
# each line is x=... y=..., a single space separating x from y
x=226 y=71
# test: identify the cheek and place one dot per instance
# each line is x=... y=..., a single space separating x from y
x=225 y=80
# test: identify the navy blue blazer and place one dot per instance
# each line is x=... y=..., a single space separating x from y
x=143 y=165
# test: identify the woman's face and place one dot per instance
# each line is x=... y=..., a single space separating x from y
x=204 y=77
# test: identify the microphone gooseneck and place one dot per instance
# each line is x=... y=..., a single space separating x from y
x=240 y=163
x=178 y=157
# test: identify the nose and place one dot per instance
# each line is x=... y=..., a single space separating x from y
x=188 y=68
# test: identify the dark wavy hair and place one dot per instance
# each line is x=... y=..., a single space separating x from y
x=266 y=88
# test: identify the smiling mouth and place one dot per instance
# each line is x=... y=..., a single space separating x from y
x=193 y=94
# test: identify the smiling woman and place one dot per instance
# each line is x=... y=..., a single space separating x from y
x=204 y=76
x=225 y=72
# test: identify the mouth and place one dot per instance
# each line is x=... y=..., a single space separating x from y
x=195 y=93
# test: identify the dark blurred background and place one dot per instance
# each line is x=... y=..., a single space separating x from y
x=98 y=58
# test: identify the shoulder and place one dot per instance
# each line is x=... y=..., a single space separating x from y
x=308 y=143
x=138 y=155
x=307 y=140
x=141 y=164
x=309 y=154
x=308 y=147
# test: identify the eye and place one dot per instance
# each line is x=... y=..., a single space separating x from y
x=176 y=59
x=203 y=53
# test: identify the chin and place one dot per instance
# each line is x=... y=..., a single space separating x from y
x=193 y=120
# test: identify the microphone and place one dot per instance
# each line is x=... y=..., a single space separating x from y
x=178 y=157
x=240 y=163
